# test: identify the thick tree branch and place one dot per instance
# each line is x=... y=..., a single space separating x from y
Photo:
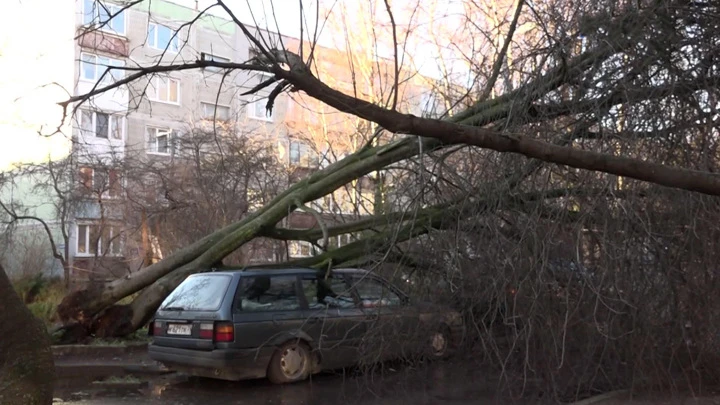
x=318 y=218
x=451 y=133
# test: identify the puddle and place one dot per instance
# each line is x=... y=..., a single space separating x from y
x=440 y=384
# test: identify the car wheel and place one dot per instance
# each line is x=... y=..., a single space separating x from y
x=291 y=363
x=439 y=343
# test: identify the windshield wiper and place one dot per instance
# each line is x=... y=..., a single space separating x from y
x=173 y=309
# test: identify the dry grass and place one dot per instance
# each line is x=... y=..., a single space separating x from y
x=42 y=296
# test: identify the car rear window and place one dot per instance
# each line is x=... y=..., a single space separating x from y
x=198 y=293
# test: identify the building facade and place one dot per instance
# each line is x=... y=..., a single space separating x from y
x=107 y=227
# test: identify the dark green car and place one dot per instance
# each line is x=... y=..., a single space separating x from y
x=288 y=324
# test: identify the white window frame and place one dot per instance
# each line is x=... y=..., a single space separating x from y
x=100 y=69
x=112 y=8
x=174 y=38
x=165 y=132
x=295 y=248
x=210 y=57
x=252 y=109
x=303 y=147
x=336 y=242
x=215 y=108
x=87 y=242
x=154 y=89
x=106 y=193
x=111 y=118
x=346 y=239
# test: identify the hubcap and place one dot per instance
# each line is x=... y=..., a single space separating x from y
x=439 y=343
x=292 y=362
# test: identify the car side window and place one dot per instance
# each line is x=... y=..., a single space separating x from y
x=327 y=293
x=269 y=293
x=374 y=293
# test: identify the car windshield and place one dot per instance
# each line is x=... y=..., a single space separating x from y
x=198 y=293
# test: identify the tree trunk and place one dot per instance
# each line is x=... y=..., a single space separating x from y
x=83 y=306
x=147 y=250
x=27 y=372
x=67 y=265
x=226 y=241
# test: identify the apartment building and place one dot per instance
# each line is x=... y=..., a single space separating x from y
x=100 y=235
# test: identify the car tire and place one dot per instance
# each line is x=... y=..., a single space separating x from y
x=291 y=362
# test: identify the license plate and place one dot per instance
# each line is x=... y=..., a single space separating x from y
x=179 y=329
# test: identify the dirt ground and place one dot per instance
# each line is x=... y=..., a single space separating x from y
x=445 y=383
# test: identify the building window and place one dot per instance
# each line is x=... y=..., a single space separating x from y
x=163 y=38
x=214 y=58
x=299 y=248
x=160 y=140
x=107 y=17
x=164 y=89
x=302 y=155
x=257 y=110
x=101 y=125
x=101 y=181
x=95 y=67
x=345 y=239
x=212 y=111
x=339 y=241
x=99 y=239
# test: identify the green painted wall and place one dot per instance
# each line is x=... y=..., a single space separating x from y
x=38 y=200
x=177 y=12
x=27 y=251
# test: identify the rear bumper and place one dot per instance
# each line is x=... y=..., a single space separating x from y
x=226 y=364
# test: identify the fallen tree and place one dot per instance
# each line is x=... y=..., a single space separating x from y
x=574 y=93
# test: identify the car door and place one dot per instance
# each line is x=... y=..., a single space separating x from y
x=334 y=319
x=267 y=310
x=395 y=331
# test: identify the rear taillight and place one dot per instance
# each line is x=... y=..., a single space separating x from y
x=224 y=332
x=156 y=328
x=206 y=330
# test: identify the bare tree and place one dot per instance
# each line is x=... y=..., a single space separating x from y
x=559 y=104
x=216 y=178
x=575 y=162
